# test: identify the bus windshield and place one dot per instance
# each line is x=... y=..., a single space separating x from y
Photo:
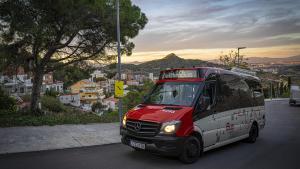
x=174 y=93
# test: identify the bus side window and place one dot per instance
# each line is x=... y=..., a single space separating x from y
x=245 y=99
x=210 y=92
x=256 y=90
x=228 y=93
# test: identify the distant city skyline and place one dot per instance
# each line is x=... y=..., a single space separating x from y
x=202 y=29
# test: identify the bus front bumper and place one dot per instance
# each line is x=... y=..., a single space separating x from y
x=163 y=144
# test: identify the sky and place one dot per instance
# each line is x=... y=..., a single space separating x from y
x=203 y=29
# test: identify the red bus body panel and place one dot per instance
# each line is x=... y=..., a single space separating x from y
x=157 y=113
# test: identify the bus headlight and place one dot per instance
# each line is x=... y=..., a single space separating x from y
x=124 y=121
x=170 y=127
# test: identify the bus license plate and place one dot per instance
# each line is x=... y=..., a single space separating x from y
x=137 y=145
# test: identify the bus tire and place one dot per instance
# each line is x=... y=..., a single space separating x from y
x=253 y=133
x=191 y=150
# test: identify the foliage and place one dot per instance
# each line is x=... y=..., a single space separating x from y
x=285 y=95
x=72 y=116
x=51 y=104
x=98 y=107
x=290 y=70
x=7 y=103
x=99 y=79
x=51 y=93
x=26 y=98
x=110 y=74
x=71 y=74
x=43 y=36
x=135 y=96
x=231 y=60
x=279 y=84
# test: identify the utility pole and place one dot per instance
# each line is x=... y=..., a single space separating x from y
x=271 y=90
x=239 y=54
x=119 y=58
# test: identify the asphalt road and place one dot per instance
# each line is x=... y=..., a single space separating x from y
x=277 y=147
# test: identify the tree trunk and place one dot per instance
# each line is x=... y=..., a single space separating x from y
x=36 y=90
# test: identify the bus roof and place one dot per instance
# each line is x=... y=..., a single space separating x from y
x=199 y=73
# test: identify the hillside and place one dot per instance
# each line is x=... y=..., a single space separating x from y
x=170 y=61
x=265 y=60
x=273 y=60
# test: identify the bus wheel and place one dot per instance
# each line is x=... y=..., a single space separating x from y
x=191 y=150
x=253 y=133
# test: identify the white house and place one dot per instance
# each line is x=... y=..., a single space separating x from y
x=19 y=84
x=123 y=76
x=110 y=86
x=97 y=74
x=56 y=86
x=151 y=77
x=50 y=84
x=110 y=103
x=72 y=99
x=132 y=83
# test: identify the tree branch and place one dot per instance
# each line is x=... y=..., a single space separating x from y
x=67 y=42
x=78 y=59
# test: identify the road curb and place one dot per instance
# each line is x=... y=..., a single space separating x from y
x=42 y=138
x=68 y=148
x=277 y=99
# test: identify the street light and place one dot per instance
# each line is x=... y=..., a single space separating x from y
x=239 y=54
x=119 y=58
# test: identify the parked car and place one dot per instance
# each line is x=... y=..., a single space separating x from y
x=294 y=95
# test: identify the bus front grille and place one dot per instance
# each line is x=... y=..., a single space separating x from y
x=142 y=128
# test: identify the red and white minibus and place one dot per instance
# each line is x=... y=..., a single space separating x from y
x=193 y=110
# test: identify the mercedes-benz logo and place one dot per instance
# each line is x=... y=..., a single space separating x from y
x=138 y=126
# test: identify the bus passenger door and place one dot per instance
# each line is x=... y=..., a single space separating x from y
x=205 y=115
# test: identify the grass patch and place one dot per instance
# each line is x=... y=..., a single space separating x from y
x=9 y=119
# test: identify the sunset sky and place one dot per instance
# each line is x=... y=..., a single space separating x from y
x=203 y=29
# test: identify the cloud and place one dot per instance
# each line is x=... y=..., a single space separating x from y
x=210 y=54
x=195 y=24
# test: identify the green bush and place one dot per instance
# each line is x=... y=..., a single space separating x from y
x=26 y=98
x=52 y=104
x=7 y=103
x=71 y=117
x=51 y=92
x=98 y=107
